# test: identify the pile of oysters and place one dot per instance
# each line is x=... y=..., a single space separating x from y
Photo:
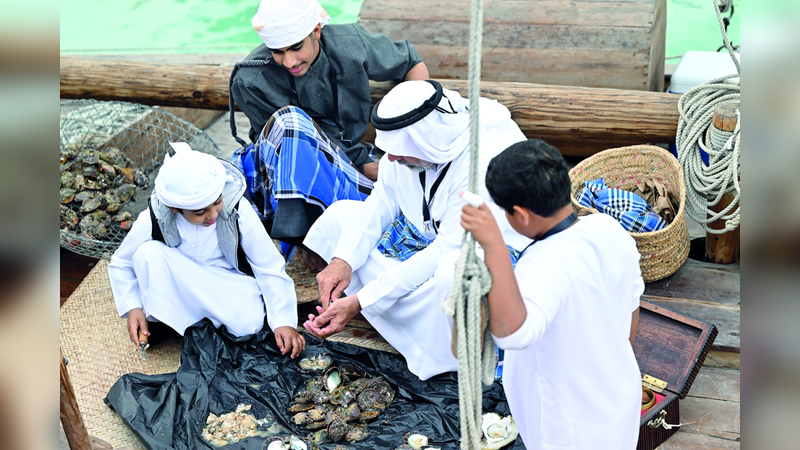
x=95 y=185
x=336 y=402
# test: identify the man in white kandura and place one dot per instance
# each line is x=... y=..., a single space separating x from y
x=200 y=251
x=384 y=251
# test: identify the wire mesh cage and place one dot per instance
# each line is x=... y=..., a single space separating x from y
x=110 y=154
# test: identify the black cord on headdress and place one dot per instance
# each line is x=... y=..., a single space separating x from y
x=413 y=116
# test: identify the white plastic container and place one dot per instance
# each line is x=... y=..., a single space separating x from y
x=696 y=68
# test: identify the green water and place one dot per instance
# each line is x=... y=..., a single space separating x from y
x=207 y=26
x=170 y=26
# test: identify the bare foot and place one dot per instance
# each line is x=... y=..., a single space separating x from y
x=312 y=260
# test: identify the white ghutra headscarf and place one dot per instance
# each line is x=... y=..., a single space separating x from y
x=281 y=23
x=190 y=179
x=443 y=134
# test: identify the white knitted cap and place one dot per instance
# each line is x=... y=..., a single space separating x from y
x=281 y=23
x=189 y=180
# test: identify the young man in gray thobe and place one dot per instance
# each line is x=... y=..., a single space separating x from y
x=306 y=93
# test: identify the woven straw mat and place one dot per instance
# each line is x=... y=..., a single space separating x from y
x=94 y=339
x=662 y=251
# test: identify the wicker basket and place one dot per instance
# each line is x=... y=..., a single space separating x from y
x=142 y=134
x=662 y=251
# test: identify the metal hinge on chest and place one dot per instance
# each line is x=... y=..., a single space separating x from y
x=653 y=383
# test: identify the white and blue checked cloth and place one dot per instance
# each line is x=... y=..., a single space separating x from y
x=401 y=240
x=629 y=209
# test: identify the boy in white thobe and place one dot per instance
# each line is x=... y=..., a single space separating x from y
x=385 y=250
x=200 y=251
x=568 y=318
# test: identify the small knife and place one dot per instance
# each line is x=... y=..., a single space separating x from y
x=143 y=345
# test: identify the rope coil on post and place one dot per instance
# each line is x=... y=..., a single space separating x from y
x=706 y=184
x=475 y=351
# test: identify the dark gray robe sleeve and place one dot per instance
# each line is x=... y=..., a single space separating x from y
x=358 y=154
x=254 y=105
x=388 y=60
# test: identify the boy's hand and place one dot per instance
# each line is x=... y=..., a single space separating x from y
x=288 y=339
x=137 y=321
x=334 y=318
x=333 y=280
x=480 y=222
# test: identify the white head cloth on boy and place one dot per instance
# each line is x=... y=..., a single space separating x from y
x=189 y=180
x=281 y=23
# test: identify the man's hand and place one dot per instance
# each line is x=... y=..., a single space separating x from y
x=137 y=321
x=371 y=170
x=480 y=222
x=333 y=280
x=333 y=319
x=288 y=339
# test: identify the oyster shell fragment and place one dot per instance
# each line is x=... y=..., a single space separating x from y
x=416 y=440
x=497 y=431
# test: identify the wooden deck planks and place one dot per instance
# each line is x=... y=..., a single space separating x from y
x=714 y=417
x=694 y=441
x=710 y=413
x=717 y=384
x=705 y=291
x=697 y=280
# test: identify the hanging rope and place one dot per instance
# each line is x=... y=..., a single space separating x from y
x=705 y=185
x=472 y=278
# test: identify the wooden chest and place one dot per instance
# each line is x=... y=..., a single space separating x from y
x=670 y=349
x=608 y=44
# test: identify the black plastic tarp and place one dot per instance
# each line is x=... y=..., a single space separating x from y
x=219 y=371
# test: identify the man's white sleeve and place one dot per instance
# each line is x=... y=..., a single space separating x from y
x=373 y=216
x=419 y=268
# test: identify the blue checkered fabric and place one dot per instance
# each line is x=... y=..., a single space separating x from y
x=499 y=353
x=629 y=209
x=297 y=160
x=402 y=239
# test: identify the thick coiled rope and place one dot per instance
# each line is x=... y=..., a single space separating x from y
x=705 y=185
x=472 y=278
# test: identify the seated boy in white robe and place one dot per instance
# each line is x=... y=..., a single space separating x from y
x=567 y=315
x=200 y=251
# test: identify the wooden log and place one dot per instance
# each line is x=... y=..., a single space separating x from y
x=724 y=248
x=71 y=419
x=579 y=121
x=592 y=43
x=149 y=84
